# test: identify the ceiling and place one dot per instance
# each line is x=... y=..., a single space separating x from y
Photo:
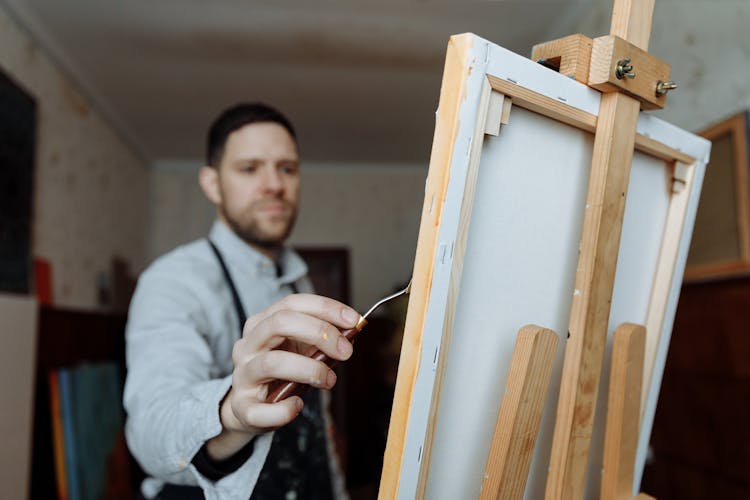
x=359 y=79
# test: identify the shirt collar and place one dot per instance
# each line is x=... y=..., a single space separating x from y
x=236 y=250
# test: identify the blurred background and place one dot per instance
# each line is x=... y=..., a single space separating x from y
x=109 y=103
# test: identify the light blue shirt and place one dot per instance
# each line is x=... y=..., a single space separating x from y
x=181 y=328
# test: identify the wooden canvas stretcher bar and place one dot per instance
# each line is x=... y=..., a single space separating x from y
x=473 y=66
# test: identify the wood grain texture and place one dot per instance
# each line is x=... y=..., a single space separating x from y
x=600 y=240
x=710 y=272
x=631 y=20
x=612 y=156
x=660 y=150
x=546 y=106
x=552 y=108
x=648 y=70
x=454 y=286
x=452 y=94
x=670 y=245
x=520 y=413
x=623 y=412
x=570 y=54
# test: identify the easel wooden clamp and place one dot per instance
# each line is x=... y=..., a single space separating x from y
x=609 y=64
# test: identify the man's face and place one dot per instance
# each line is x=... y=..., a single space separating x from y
x=258 y=181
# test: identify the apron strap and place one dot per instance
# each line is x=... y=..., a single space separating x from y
x=241 y=316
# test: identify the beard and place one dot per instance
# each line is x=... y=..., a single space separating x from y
x=254 y=229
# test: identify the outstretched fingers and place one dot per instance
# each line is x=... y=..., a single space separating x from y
x=275 y=328
x=323 y=308
x=265 y=353
x=284 y=365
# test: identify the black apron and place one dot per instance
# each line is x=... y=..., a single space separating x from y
x=297 y=463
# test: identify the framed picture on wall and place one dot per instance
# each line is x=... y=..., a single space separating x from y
x=17 y=148
x=721 y=239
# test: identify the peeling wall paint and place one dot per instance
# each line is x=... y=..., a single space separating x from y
x=90 y=188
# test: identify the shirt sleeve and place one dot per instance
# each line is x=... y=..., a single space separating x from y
x=171 y=399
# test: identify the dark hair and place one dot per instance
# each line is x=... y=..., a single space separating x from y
x=236 y=117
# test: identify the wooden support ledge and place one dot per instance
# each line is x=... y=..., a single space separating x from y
x=521 y=408
x=623 y=412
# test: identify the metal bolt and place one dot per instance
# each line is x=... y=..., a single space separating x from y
x=624 y=68
x=663 y=87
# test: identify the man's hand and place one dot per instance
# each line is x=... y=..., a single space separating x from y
x=273 y=346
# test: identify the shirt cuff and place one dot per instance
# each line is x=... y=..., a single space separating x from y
x=240 y=483
x=217 y=469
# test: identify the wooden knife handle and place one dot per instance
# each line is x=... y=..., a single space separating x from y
x=282 y=389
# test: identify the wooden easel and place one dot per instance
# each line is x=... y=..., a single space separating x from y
x=609 y=72
x=629 y=79
x=608 y=64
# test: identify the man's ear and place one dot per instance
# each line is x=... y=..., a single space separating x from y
x=208 y=178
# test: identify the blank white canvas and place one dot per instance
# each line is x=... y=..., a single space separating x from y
x=519 y=268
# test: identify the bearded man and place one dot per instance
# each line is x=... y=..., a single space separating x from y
x=214 y=321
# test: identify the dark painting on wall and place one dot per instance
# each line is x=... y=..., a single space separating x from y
x=17 y=146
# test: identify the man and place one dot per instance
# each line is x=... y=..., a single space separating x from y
x=213 y=322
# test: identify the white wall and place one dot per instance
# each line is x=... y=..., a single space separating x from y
x=90 y=186
x=91 y=199
x=708 y=46
x=371 y=209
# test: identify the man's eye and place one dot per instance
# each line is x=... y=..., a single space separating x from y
x=250 y=169
x=289 y=169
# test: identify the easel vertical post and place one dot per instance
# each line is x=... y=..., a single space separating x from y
x=602 y=226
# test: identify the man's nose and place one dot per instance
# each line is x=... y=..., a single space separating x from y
x=272 y=180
